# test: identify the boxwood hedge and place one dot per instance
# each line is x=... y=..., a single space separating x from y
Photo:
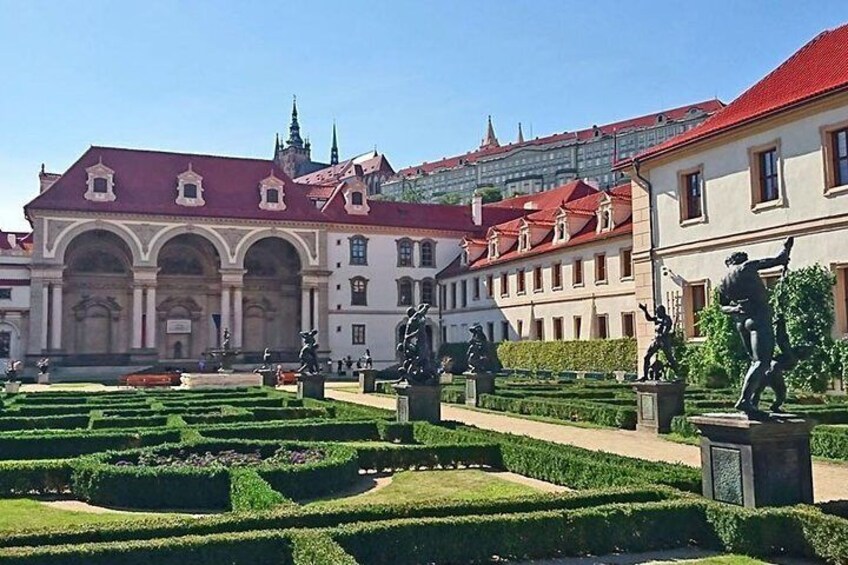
x=603 y=355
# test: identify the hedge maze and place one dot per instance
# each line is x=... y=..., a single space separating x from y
x=258 y=456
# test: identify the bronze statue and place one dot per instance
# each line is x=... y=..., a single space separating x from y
x=477 y=356
x=308 y=355
x=744 y=297
x=417 y=366
x=663 y=326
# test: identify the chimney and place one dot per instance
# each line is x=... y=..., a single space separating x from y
x=477 y=209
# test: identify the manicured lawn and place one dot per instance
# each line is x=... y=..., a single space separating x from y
x=413 y=486
x=723 y=560
x=26 y=513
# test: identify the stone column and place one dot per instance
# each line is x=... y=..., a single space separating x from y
x=137 y=311
x=305 y=309
x=225 y=310
x=45 y=313
x=56 y=317
x=238 y=317
x=151 y=317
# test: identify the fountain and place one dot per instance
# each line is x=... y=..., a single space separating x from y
x=226 y=377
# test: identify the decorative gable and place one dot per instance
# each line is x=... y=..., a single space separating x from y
x=101 y=183
x=272 y=193
x=473 y=249
x=611 y=212
x=355 y=194
x=190 y=188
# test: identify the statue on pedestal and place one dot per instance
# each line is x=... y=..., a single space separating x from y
x=744 y=297
x=308 y=354
x=417 y=366
x=477 y=356
x=663 y=326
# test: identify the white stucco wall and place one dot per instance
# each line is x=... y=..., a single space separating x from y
x=14 y=312
x=611 y=298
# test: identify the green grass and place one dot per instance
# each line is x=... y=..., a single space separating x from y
x=414 y=486
x=26 y=513
x=723 y=560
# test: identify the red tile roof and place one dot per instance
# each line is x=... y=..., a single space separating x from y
x=819 y=68
x=351 y=167
x=548 y=199
x=647 y=120
x=15 y=240
x=146 y=183
x=586 y=203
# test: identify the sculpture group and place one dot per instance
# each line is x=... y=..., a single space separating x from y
x=417 y=365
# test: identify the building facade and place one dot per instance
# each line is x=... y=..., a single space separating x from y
x=14 y=295
x=532 y=166
x=773 y=164
x=562 y=271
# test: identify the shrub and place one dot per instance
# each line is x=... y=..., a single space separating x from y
x=830 y=442
x=72 y=443
x=46 y=476
x=458 y=353
x=602 y=355
x=129 y=422
x=249 y=491
x=383 y=458
x=311 y=547
x=71 y=421
x=297 y=430
x=576 y=410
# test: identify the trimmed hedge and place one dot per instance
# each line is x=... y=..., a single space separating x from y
x=14 y=423
x=383 y=458
x=60 y=444
x=129 y=422
x=315 y=547
x=601 y=355
x=327 y=516
x=249 y=491
x=25 y=478
x=316 y=430
x=566 y=465
x=830 y=442
x=575 y=410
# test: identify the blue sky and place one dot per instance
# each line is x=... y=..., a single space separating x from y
x=416 y=79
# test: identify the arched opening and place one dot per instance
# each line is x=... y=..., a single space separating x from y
x=96 y=300
x=10 y=337
x=272 y=300
x=188 y=297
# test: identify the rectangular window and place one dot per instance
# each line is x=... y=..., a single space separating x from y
x=690 y=196
x=520 y=329
x=558 y=333
x=628 y=328
x=443 y=293
x=537 y=279
x=5 y=293
x=577 y=273
x=695 y=300
x=602 y=329
x=490 y=286
x=839 y=151
x=490 y=331
x=358 y=251
x=504 y=331
x=556 y=275
x=475 y=284
x=427 y=257
x=463 y=286
x=504 y=284
x=577 y=326
x=766 y=176
x=540 y=330
x=520 y=282
x=358 y=334
x=626 y=263
x=600 y=268
x=453 y=295
x=5 y=345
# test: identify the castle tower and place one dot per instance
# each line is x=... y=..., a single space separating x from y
x=291 y=157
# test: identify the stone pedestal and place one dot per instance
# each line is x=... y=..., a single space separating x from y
x=418 y=402
x=43 y=378
x=657 y=402
x=310 y=386
x=13 y=387
x=756 y=463
x=477 y=384
x=269 y=377
x=367 y=380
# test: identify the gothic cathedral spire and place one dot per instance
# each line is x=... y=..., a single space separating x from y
x=491 y=139
x=520 y=134
x=334 y=150
x=294 y=139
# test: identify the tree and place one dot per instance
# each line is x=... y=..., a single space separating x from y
x=451 y=198
x=490 y=194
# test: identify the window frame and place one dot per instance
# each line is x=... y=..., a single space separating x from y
x=755 y=155
x=355 y=331
x=577 y=269
x=625 y=264
x=490 y=286
x=601 y=271
x=539 y=329
x=352 y=241
x=475 y=288
x=686 y=219
x=400 y=283
x=558 y=328
x=556 y=275
x=432 y=285
x=632 y=317
x=577 y=326
x=832 y=185
x=504 y=284
x=598 y=319
x=520 y=282
x=423 y=260
x=690 y=320
x=402 y=245
x=354 y=293
x=538 y=279
x=6 y=293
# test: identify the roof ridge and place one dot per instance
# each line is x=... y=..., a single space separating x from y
x=182 y=153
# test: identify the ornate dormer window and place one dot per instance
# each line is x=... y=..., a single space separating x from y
x=356 y=197
x=524 y=238
x=493 y=246
x=272 y=193
x=101 y=183
x=606 y=222
x=561 y=228
x=190 y=188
